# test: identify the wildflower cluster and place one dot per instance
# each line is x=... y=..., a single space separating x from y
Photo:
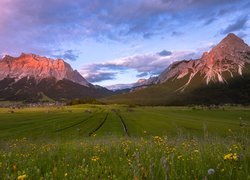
x=158 y=139
x=123 y=158
x=231 y=156
x=22 y=177
x=95 y=158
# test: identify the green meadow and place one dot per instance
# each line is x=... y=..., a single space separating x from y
x=124 y=142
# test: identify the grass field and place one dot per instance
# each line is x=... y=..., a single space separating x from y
x=122 y=142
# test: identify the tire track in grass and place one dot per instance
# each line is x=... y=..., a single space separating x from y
x=73 y=125
x=100 y=125
x=36 y=126
x=125 y=129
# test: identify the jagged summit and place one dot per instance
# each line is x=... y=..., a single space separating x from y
x=226 y=60
x=229 y=46
x=220 y=76
x=232 y=40
x=33 y=78
x=31 y=65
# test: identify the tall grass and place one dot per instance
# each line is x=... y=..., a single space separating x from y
x=191 y=144
x=151 y=157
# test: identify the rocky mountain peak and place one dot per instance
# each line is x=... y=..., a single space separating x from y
x=232 y=40
x=227 y=59
x=31 y=65
x=229 y=46
x=141 y=80
x=7 y=58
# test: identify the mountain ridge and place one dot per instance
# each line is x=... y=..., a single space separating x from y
x=198 y=81
x=225 y=57
x=33 y=78
x=39 y=67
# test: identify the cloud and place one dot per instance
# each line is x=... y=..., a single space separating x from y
x=99 y=76
x=143 y=64
x=242 y=34
x=238 y=25
x=41 y=26
x=176 y=33
x=224 y=11
x=67 y=55
x=119 y=86
x=164 y=53
x=144 y=74
x=210 y=20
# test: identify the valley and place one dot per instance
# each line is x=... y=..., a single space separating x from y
x=190 y=122
x=120 y=120
x=100 y=141
x=125 y=90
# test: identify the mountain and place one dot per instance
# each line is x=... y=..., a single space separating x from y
x=132 y=86
x=144 y=83
x=223 y=62
x=30 y=77
x=117 y=87
x=219 y=76
x=31 y=65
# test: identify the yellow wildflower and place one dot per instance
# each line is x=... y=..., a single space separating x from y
x=95 y=158
x=235 y=157
x=66 y=174
x=157 y=139
x=227 y=156
x=231 y=156
x=22 y=177
x=179 y=157
x=129 y=162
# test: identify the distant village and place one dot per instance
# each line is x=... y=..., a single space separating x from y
x=27 y=105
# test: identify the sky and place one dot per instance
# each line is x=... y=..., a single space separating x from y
x=119 y=41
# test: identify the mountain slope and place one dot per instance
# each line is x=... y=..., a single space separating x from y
x=214 y=78
x=38 y=67
x=33 y=78
x=224 y=61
